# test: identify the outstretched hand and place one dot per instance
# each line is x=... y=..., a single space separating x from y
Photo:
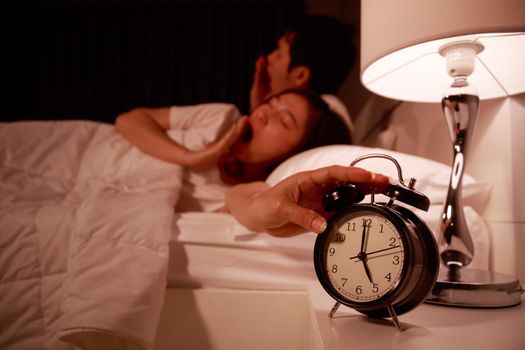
x=261 y=83
x=294 y=205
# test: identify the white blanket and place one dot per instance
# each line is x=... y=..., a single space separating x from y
x=85 y=221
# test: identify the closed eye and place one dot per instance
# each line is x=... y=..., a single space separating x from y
x=287 y=119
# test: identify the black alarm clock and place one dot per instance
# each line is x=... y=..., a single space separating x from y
x=378 y=258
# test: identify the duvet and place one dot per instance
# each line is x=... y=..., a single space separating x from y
x=85 y=221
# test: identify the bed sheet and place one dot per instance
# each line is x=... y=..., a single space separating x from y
x=213 y=250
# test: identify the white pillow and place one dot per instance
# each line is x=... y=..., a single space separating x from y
x=432 y=177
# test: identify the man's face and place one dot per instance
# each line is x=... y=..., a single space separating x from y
x=278 y=62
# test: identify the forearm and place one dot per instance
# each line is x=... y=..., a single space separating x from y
x=150 y=136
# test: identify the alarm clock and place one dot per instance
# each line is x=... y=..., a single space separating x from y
x=378 y=258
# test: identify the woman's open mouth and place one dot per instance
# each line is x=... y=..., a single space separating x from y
x=248 y=133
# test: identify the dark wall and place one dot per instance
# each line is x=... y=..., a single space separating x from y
x=93 y=59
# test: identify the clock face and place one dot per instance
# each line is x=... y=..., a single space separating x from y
x=364 y=256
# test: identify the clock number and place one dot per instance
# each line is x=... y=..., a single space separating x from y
x=340 y=237
x=396 y=260
x=392 y=242
x=388 y=277
x=344 y=280
x=367 y=222
x=331 y=251
x=381 y=228
x=334 y=268
x=375 y=288
x=351 y=226
x=359 y=290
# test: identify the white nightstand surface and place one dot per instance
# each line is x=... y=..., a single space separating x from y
x=426 y=327
x=229 y=319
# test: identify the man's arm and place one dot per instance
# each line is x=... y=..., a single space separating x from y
x=294 y=205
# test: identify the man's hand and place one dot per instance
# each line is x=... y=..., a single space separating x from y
x=294 y=205
x=261 y=83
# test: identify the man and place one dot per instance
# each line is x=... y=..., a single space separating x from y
x=317 y=53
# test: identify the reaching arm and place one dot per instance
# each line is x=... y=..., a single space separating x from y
x=146 y=129
x=294 y=205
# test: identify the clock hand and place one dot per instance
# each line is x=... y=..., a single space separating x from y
x=381 y=250
x=363 y=235
x=359 y=256
x=367 y=271
x=366 y=239
x=362 y=257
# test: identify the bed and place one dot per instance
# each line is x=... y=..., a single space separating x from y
x=89 y=239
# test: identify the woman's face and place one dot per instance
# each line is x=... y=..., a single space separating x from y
x=275 y=128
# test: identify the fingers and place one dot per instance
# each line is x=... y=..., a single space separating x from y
x=259 y=64
x=322 y=179
x=259 y=74
x=313 y=181
x=339 y=173
x=234 y=133
x=262 y=69
x=261 y=82
x=306 y=218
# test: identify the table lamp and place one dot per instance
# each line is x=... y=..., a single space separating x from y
x=453 y=52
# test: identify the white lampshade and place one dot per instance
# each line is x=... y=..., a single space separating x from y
x=400 y=40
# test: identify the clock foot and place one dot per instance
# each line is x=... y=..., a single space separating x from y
x=393 y=316
x=334 y=309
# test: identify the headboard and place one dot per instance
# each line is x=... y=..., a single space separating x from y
x=93 y=59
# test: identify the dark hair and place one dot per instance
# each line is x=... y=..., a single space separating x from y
x=325 y=127
x=325 y=46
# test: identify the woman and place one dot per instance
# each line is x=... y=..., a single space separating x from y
x=220 y=148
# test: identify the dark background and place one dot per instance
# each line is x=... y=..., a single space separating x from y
x=93 y=59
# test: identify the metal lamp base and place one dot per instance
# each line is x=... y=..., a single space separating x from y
x=475 y=289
